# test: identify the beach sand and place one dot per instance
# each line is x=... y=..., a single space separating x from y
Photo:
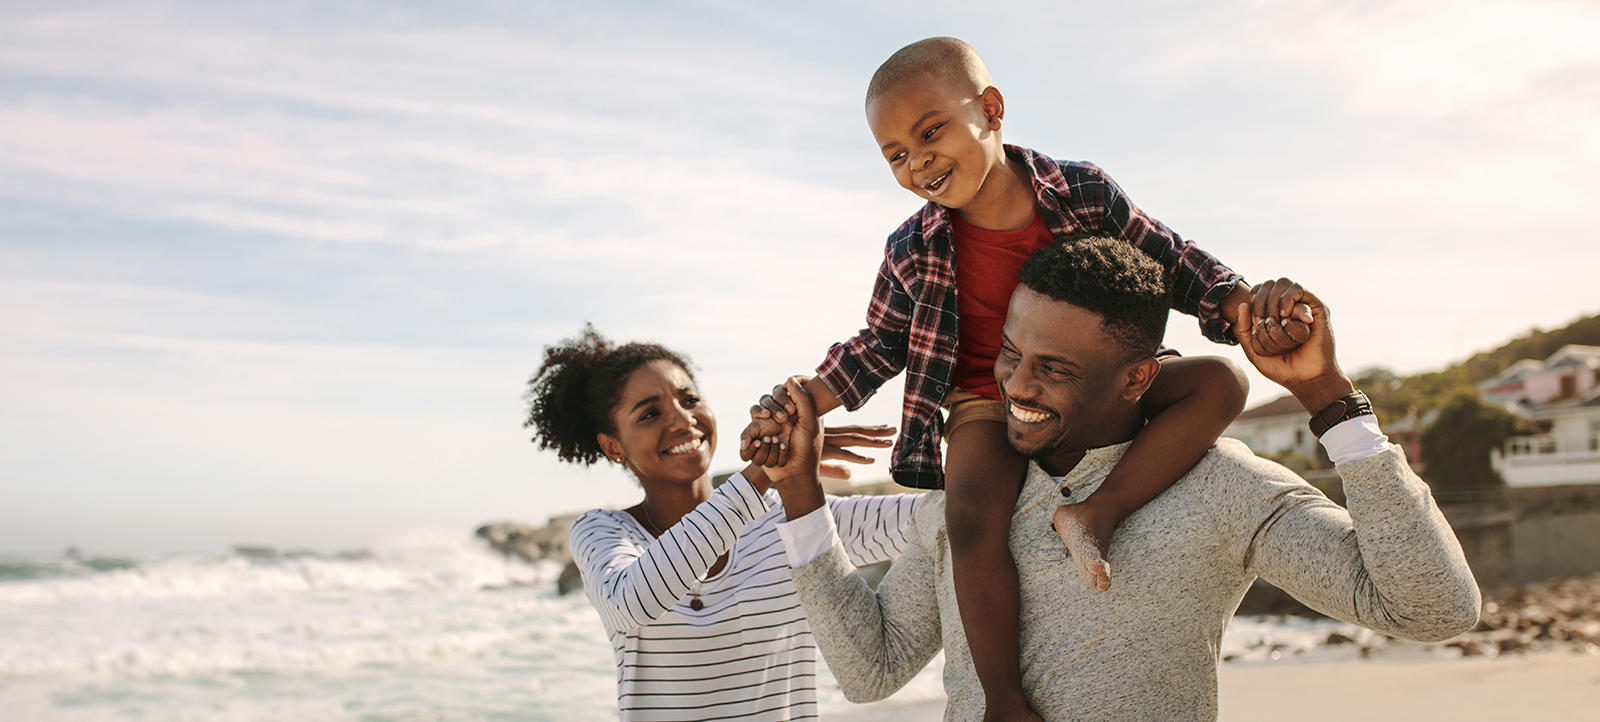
x=1551 y=686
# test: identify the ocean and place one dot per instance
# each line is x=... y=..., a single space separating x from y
x=433 y=628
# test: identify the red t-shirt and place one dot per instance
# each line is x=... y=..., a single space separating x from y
x=987 y=263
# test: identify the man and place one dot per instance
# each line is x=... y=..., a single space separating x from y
x=1078 y=347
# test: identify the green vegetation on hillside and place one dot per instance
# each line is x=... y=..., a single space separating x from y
x=1455 y=448
x=1399 y=397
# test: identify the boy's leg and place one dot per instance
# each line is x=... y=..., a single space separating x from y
x=983 y=478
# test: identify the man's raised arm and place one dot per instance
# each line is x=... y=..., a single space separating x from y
x=1391 y=563
x=874 y=642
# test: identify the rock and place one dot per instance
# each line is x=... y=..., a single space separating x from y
x=529 y=544
x=1337 y=638
x=571 y=580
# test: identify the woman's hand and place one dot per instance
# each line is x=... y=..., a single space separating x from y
x=836 y=438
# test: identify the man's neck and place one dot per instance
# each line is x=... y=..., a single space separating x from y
x=1063 y=460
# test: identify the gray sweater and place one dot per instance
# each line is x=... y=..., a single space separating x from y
x=1148 y=648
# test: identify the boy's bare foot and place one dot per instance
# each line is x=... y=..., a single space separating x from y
x=1088 y=539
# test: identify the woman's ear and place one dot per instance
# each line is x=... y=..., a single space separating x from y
x=611 y=447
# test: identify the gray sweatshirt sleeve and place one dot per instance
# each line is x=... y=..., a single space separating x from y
x=1391 y=563
x=873 y=642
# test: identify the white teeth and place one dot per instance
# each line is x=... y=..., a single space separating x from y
x=686 y=447
x=1026 y=416
x=937 y=182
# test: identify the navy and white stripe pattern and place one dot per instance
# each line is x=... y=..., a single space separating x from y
x=748 y=652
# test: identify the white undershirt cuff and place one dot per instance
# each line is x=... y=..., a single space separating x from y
x=808 y=537
x=1355 y=439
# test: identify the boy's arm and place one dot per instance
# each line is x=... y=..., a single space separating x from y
x=1189 y=404
x=1200 y=283
x=853 y=370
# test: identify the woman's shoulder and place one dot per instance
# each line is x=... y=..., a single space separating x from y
x=597 y=522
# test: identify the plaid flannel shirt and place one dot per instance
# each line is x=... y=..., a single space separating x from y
x=911 y=322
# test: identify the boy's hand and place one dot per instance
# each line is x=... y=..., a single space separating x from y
x=1282 y=319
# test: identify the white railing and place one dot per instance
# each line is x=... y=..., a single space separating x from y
x=1521 y=447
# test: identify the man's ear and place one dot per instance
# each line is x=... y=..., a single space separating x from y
x=611 y=447
x=1138 y=376
x=994 y=106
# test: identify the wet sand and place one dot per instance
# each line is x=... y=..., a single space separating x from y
x=1552 y=686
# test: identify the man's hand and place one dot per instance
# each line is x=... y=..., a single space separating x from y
x=765 y=441
x=1282 y=319
x=1311 y=371
x=805 y=445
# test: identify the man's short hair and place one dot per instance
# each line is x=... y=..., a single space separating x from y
x=945 y=57
x=1126 y=288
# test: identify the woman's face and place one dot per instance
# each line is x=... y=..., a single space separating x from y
x=665 y=432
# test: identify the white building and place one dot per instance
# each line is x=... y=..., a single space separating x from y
x=1562 y=393
x=1275 y=428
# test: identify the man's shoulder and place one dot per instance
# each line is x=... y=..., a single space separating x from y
x=1232 y=465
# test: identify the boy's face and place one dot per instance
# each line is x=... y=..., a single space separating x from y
x=941 y=138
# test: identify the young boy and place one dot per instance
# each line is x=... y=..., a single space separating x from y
x=936 y=117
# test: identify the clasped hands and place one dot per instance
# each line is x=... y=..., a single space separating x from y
x=786 y=436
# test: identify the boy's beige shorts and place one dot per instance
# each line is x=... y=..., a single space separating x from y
x=962 y=406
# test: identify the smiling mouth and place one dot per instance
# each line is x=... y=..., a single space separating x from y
x=937 y=183
x=686 y=447
x=1027 y=416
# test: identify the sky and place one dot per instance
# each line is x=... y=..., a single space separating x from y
x=278 y=273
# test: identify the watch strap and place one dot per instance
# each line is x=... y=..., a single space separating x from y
x=1342 y=409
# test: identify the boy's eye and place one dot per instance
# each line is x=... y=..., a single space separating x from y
x=928 y=134
x=897 y=156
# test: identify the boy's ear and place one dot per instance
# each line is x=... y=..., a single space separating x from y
x=994 y=106
x=1138 y=376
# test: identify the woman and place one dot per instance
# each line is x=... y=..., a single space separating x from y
x=691 y=583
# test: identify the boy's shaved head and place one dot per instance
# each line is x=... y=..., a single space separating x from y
x=948 y=58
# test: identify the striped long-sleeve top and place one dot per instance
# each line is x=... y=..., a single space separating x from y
x=747 y=653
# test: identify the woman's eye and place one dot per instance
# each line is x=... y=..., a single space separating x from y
x=690 y=402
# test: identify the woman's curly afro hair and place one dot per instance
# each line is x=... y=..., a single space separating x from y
x=572 y=396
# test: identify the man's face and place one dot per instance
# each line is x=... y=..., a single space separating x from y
x=1066 y=383
x=939 y=136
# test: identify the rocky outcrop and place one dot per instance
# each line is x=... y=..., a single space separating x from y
x=549 y=542
x=1558 y=614
x=513 y=538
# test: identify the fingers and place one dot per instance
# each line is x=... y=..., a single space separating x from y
x=832 y=452
x=1273 y=337
x=1246 y=332
x=833 y=437
x=799 y=400
x=873 y=430
x=833 y=471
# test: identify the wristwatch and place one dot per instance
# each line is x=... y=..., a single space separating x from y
x=1342 y=409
